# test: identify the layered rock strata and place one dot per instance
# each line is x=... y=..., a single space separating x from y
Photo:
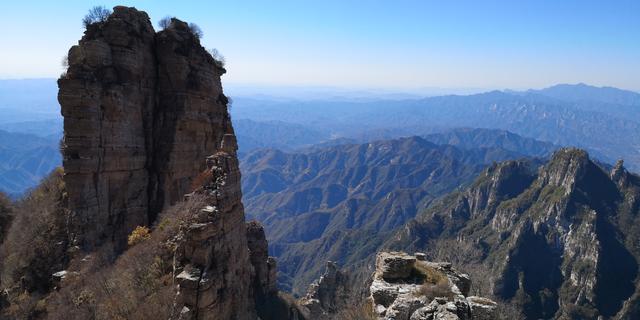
x=328 y=295
x=216 y=273
x=141 y=110
x=264 y=267
x=407 y=287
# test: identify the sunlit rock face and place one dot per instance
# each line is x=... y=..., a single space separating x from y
x=141 y=110
x=408 y=287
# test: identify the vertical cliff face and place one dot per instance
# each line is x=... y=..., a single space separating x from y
x=190 y=116
x=141 y=110
x=213 y=253
x=108 y=98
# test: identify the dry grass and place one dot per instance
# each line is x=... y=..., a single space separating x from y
x=34 y=247
x=6 y=209
x=138 y=284
x=440 y=289
x=201 y=179
x=36 y=242
x=429 y=274
x=435 y=283
x=357 y=311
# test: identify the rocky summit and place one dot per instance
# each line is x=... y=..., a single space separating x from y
x=408 y=287
x=141 y=111
x=328 y=295
x=558 y=241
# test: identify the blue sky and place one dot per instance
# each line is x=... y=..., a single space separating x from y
x=368 y=44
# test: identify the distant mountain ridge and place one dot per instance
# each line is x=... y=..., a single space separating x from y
x=557 y=242
x=470 y=138
x=275 y=134
x=328 y=203
x=605 y=121
x=583 y=92
x=609 y=131
x=24 y=160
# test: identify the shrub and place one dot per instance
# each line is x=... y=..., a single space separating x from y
x=141 y=233
x=195 y=30
x=65 y=61
x=165 y=22
x=97 y=14
x=5 y=214
x=510 y=311
x=440 y=289
x=36 y=243
x=428 y=273
x=137 y=285
x=218 y=57
x=357 y=311
x=574 y=311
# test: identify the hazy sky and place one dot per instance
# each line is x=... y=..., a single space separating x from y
x=387 y=44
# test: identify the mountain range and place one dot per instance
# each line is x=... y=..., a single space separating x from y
x=605 y=121
x=363 y=204
x=24 y=160
x=340 y=202
x=559 y=241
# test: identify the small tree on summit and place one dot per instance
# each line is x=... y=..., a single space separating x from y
x=97 y=14
x=218 y=57
x=195 y=30
x=165 y=22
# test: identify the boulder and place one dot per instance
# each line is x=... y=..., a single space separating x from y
x=328 y=295
x=394 y=265
x=397 y=292
x=482 y=308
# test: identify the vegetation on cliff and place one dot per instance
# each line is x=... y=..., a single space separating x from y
x=553 y=243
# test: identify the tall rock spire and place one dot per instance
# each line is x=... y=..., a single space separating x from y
x=146 y=124
x=141 y=110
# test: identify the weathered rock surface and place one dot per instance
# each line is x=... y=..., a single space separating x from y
x=264 y=275
x=394 y=265
x=427 y=290
x=328 y=295
x=555 y=240
x=216 y=280
x=141 y=110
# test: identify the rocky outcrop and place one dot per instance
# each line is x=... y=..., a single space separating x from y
x=264 y=267
x=407 y=287
x=141 y=110
x=557 y=244
x=328 y=295
x=216 y=275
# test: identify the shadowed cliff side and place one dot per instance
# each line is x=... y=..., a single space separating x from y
x=141 y=110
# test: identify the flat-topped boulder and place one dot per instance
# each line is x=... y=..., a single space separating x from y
x=408 y=287
x=394 y=265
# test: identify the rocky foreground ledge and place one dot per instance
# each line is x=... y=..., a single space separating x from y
x=407 y=287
